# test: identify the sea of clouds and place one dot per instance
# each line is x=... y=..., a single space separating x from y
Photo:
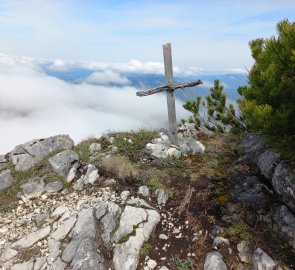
x=36 y=105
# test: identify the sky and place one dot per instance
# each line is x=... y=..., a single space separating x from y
x=111 y=38
x=207 y=34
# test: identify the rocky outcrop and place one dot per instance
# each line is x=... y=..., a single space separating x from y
x=24 y=156
x=272 y=194
x=6 y=179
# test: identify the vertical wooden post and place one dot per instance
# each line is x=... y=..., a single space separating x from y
x=170 y=94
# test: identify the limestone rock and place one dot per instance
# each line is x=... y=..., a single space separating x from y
x=7 y=254
x=72 y=173
x=253 y=194
x=173 y=152
x=62 y=162
x=220 y=241
x=194 y=146
x=3 y=162
x=267 y=162
x=64 y=228
x=87 y=257
x=139 y=203
x=143 y=222
x=58 y=265
x=39 y=262
x=70 y=250
x=54 y=247
x=245 y=251
x=58 y=211
x=159 y=154
x=108 y=214
x=91 y=175
x=214 y=261
x=85 y=225
x=284 y=223
x=31 y=239
x=33 y=189
x=24 y=156
x=24 y=266
x=162 y=196
x=6 y=180
x=283 y=184
x=144 y=191
x=54 y=187
x=124 y=195
x=262 y=261
x=41 y=218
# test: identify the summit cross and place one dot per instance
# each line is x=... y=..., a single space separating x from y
x=169 y=87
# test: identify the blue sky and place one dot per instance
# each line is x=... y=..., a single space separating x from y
x=207 y=34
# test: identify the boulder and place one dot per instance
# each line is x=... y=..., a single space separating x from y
x=195 y=147
x=24 y=156
x=24 y=266
x=62 y=162
x=70 y=250
x=58 y=265
x=173 y=152
x=91 y=175
x=267 y=162
x=108 y=214
x=6 y=179
x=253 y=194
x=262 y=261
x=64 y=228
x=284 y=223
x=251 y=147
x=144 y=191
x=7 y=254
x=3 y=162
x=54 y=187
x=214 y=261
x=87 y=256
x=33 y=189
x=283 y=182
x=86 y=225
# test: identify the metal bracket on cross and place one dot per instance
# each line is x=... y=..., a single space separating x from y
x=169 y=87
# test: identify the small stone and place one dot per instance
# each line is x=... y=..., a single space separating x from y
x=144 y=191
x=114 y=149
x=110 y=182
x=33 y=189
x=7 y=254
x=245 y=251
x=62 y=231
x=151 y=264
x=214 y=261
x=220 y=241
x=173 y=152
x=262 y=261
x=162 y=196
x=72 y=173
x=124 y=195
x=41 y=218
x=6 y=180
x=163 y=236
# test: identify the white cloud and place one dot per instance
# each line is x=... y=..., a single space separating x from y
x=106 y=77
x=34 y=105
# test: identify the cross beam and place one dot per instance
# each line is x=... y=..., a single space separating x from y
x=169 y=87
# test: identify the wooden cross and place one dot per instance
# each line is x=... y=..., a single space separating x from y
x=169 y=87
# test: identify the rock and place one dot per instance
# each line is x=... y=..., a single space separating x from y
x=253 y=194
x=111 y=139
x=284 y=184
x=144 y=191
x=184 y=149
x=155 y=146
x=284 y=223
x=124 y=195
x=64 y=228
x=195 y=146
x=163 y=268
x=87 y=257
x=164 y=136
x=126 y=254
x=41 y=218
x=151 y=264
x=173 y=152
x=267 y=162
x=245 y=251
x=58 y=211
x=159 y=154
x=251 y=147
x=24 y=266
x=3 y=162
x=33 y=189
x=91 y=175
x=162 y=196
x=110 y=182
x=24 y=156
x=58 y=265
x=70 y=250
x=62 y=162
x=39 y=262
x=214 y=261
x=139 y=203
x=163 y=237
x=72 y=173
x=7 y=254
x=54 y=187
x=6 y=180
x=86 y=225
x=95 y=147
x=262 y=261
x=108 y=214
x=54 y=248
x=220 y=241
x=31 y=239
x=217 y=230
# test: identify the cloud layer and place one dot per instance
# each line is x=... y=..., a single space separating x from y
x=33 y=105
